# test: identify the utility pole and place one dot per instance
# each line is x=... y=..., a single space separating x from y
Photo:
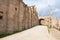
x=50 y=18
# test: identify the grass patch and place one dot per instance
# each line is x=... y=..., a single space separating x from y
x=49 y=28
x=4 y=35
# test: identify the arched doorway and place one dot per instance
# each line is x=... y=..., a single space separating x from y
x=40 y=21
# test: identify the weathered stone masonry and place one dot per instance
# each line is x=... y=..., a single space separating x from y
x=15 y=15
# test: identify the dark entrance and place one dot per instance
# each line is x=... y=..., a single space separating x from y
x=40 y=21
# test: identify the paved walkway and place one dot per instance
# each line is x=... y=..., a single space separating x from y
x=55 y=33
x=36 y=33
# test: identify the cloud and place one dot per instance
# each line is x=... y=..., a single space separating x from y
x=44 y=5
x=56 y=10
x=51 y=2
x=40 y=4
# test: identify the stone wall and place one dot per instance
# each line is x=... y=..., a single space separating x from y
x=59 y=24
x=15 y=16
x=50 y=21
x=3 y=15
x=26 y=17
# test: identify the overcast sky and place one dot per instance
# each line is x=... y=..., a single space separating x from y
x=44 y=6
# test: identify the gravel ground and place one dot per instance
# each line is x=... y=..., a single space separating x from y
x=35 y=33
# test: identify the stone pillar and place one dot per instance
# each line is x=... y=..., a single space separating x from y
x=13 y=16
x=29 y=20
x=21 y=16
x=34 y=17
x=26 y=17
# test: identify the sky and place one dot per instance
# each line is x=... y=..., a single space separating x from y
x=43 y=7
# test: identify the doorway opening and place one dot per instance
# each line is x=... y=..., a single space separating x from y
x=40 y=21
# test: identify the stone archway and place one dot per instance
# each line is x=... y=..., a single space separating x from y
x=40 y=21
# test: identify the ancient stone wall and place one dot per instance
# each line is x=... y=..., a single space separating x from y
x=3 y=15
x=26 y=17
x=15 y=16
x=59 y=24
x=29 y=18
x=13 y=11
x=21 y=16
x=34 y=17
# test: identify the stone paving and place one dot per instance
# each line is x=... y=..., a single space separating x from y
x=35 y=33
x=55 y=33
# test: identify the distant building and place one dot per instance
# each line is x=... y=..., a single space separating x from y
x=59 y=24
x=50 y=21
